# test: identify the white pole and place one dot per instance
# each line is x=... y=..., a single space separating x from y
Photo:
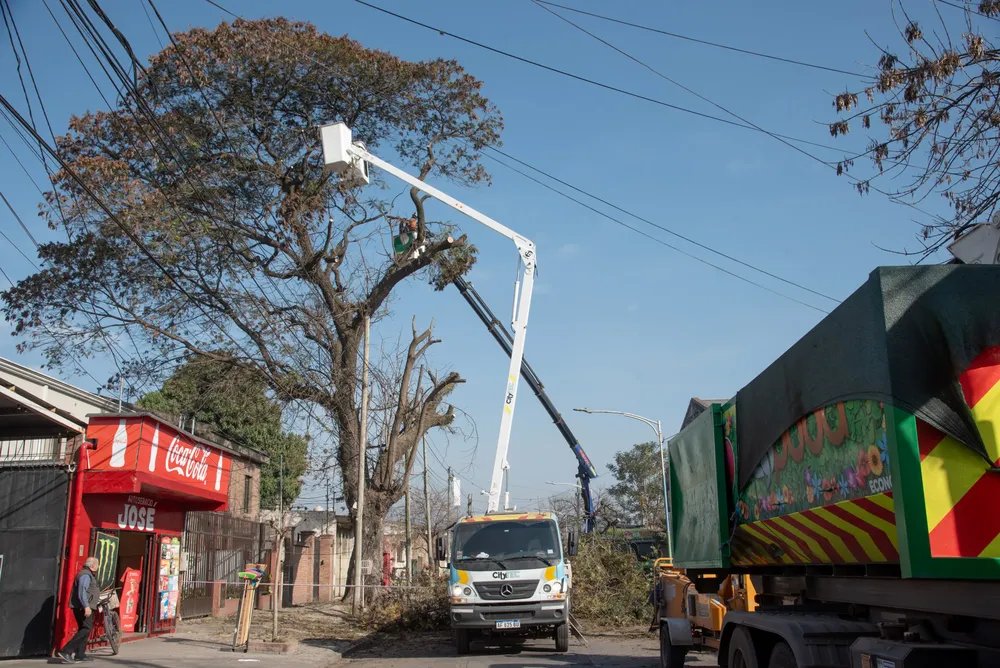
x=358 y=601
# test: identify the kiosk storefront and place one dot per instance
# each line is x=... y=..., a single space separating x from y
x=136 y=479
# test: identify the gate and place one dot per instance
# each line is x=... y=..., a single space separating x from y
x=218 y=546
x=32 y=520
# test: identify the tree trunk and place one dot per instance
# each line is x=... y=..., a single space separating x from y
x=372 y=542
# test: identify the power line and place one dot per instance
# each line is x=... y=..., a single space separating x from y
x=618 y=221
x=577 y=77
x=658 y=226
x=717 y=45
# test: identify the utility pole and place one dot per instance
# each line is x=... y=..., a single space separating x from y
x=279 y=542
x=451 y=494
x=358 y=600
x=406 y=510
x=427 y=509
x=469 y=512
x=326 y=521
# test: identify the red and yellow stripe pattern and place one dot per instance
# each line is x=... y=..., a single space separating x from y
x=500 y=517
x=857 y=531
x=960 y=495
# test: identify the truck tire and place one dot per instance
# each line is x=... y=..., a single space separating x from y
x=561 y=635
x=741 y=650
x=782 y=657
x=671 y=656
x=462 y=641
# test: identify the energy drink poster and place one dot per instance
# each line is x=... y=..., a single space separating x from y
x=106 y=551
x=169 y=576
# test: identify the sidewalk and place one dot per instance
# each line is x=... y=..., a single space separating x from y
x=189 y=651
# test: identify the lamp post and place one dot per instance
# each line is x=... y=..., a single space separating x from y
x=577 y=505
x=655 y=426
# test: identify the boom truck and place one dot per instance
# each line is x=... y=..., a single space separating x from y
x=852 y=489
x=507 y=572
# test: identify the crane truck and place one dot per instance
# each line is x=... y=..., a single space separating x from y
x=852 y=488
x=507 y=572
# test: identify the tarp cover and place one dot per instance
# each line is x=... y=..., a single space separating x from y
x=904 y=338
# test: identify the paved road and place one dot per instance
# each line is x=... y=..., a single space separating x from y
x=434 y=651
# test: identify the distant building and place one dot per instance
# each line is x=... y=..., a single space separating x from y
x=695 y=408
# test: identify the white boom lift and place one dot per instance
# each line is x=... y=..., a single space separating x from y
x=351 y=159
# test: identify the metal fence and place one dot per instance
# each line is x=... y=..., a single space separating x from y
x=218 y=546
x=14 y=451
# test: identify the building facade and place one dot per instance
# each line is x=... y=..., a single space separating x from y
x=83 y=475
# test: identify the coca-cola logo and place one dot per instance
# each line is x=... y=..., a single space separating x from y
x=190 y=461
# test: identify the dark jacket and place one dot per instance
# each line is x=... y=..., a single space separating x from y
x=86 y=590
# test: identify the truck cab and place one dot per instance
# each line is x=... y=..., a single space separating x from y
x=508 y=576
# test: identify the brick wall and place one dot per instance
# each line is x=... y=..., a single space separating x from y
x=239 y=504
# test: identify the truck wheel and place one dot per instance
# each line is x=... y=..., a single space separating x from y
x=782 y=657
x=671 y=656
x=741 y=650
x=462 y=641
x=562 y=637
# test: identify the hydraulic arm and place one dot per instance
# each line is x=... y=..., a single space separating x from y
x=585 y=470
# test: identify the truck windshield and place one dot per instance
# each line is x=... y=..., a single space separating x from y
x=513 y=544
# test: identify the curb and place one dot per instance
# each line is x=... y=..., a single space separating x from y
x=357 y=645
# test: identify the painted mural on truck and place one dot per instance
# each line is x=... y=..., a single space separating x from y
x=835 y=454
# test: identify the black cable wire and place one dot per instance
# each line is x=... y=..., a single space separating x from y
x=661 y=227
x=778 y=137
x=618 y=221
x=592 y=82
x=790 y=61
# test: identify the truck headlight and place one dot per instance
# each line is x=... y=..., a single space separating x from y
x=553 y=590
x=457 y=590
x=467 y=591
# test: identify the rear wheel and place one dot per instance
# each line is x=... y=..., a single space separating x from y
x=671 y=656
x=113 y=630
x=562 y=637
x=782 y=657
x=462 y=641
x=741 y=650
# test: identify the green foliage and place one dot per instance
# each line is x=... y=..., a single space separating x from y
x=639 y=487
x=424 y=609
x=234 y=401
x=610 y=586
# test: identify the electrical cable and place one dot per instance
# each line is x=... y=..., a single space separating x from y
x=583 y=79
x=758 y=54
x=659 y=226
x=655 y=239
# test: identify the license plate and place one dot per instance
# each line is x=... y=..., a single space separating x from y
x=509 y=624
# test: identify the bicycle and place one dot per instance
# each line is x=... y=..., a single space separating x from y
x=111 y=624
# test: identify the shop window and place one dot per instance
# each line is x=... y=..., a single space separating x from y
x=247 y=491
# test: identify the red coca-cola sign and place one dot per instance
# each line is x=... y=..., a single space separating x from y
x=189 y=460
x=156 y=450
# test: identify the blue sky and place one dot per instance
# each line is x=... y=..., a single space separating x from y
x=618 y=321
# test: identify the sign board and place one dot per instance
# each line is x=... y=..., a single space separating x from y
x=129 y=608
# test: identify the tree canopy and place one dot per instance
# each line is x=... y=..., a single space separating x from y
x=235 y=402
x=638 y=489
x=219 y=234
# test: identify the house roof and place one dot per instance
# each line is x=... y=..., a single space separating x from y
x=696 y=406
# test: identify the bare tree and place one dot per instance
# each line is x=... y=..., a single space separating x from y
x=938 y=101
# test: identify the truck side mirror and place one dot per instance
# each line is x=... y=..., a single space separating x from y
x=571 y=543
x=439 y=551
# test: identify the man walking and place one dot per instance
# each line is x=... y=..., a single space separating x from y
x=83 y=601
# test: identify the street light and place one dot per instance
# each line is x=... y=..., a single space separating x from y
x=655 y=426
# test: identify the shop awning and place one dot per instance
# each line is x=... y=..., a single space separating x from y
x=139 y=482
